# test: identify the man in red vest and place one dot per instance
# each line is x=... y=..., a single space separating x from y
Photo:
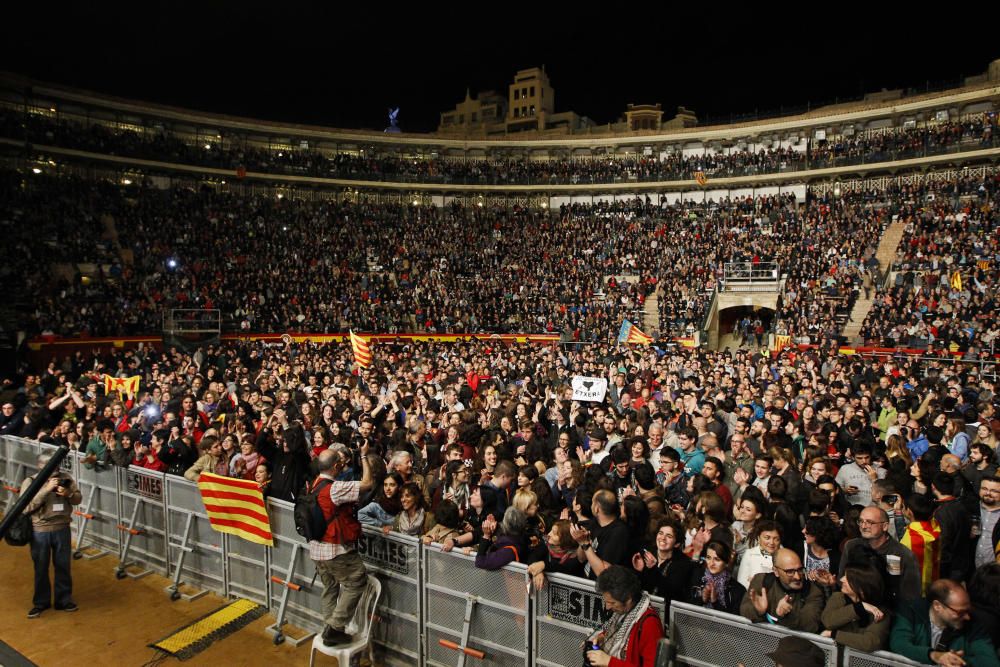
x=336 y=557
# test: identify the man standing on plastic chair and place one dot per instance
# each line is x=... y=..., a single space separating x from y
x=336 y=557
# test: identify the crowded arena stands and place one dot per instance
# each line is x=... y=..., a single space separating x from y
x=232 y=152
x=847 y=493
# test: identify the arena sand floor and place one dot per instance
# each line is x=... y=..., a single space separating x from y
x=117 y=619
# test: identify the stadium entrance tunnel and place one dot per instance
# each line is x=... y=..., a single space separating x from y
x=736 y=326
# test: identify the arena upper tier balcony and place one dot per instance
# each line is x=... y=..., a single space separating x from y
x=943 y=129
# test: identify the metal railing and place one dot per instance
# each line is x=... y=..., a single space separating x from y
x=436 y=608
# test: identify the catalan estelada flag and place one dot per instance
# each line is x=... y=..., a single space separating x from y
x=362 y=354
x=236 y=506
x=923 y=538
x=121 y=385
x=629 y=333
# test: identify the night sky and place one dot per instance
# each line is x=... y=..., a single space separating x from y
x=344 y=66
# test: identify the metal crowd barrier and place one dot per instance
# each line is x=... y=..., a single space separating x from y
x=566 y=611
x=468 y=611
x=852 y=658
x=704 y=638
x=395 y=560
x=436 y=608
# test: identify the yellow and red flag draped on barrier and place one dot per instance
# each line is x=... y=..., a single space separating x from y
x=121 y=385
x=362 y=353
x=236 y=506
x=700 y=178
x=629 y=333
x=780 y=341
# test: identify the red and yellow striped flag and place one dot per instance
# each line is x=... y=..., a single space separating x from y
x=983 y=264
x=236 y=506
x=780 y=341
x=956 y=280
x=923 y=539
x=362 y=354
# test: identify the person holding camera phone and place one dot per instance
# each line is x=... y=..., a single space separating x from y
x=51 y=511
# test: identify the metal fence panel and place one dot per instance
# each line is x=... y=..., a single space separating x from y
x=303 y=607
x=480 y=609
x=395 y=560
x=204 y=565
x=566 y=611
x=706 y=638
x=248 y=565
x=854 y=658
x=143 y=509
x=99 y=488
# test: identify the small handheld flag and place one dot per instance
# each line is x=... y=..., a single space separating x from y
x=629 y=333
x=121 y=385
x=362 y=353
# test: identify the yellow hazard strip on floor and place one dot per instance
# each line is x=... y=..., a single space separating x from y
x=210 y=625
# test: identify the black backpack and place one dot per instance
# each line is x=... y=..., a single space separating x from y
x=309 y=520
x=20 y=531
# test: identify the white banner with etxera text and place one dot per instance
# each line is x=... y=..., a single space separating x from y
x=589 y=389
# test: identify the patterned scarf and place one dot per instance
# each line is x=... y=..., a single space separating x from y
x=618 y=628
x=561 y=555
x=719 y=583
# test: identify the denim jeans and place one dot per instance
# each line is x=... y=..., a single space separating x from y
x=52 y=547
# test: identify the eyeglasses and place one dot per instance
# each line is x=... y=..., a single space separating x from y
x=791 y=572
x=958 y=612
x=866 y=522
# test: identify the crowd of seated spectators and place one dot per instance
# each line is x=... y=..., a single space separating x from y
x=953 y=230
x=852 y=497
x=234 y=153
x=323 y=266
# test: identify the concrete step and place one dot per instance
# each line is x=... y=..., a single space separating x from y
x=651 y=314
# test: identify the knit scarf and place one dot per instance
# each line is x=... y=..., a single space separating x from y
x=618 y=628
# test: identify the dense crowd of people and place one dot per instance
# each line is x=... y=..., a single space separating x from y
x=282 y=264
x=234 y=152
x=847 y=496
x=954 y=232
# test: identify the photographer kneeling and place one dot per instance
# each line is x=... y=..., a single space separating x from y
x=632 y=633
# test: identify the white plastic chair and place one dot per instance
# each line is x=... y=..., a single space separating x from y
x=360 y=628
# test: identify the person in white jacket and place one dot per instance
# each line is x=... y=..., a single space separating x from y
x=765 y=542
